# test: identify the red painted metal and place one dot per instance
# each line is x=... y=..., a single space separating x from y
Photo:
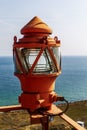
x=37 y=72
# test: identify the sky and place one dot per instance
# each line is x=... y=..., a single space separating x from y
x=67 y=18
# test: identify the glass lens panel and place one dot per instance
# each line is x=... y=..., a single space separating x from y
x=24 y=59
x=45 y=64
x=57 y=54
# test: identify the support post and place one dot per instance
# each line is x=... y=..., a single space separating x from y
x=45 y=123
x=42 y=119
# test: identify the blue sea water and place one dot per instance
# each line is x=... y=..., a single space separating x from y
x=72 y=83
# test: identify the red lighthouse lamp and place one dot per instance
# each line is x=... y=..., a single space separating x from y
x=37 y=64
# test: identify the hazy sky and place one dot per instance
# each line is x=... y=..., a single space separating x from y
x=67 y=18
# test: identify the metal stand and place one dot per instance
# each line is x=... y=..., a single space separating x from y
x=45 y=123
x=42 y=119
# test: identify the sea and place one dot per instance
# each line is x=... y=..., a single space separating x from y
x=72 y=83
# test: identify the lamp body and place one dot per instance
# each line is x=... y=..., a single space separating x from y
x=37 y=64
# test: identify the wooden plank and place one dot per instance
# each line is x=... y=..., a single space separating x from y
x=71 y=122
x=55 y=111
x=10 y=108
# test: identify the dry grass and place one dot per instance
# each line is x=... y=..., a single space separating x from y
x=20 y=120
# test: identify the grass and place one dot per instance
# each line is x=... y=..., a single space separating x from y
x=20 y=119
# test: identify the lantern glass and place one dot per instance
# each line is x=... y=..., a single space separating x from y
x=57 y=54
x=24 y=59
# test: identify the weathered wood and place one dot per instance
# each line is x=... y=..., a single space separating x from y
x=10 y=108
x=54 y=111
x=71 y=122
x=57 y=111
